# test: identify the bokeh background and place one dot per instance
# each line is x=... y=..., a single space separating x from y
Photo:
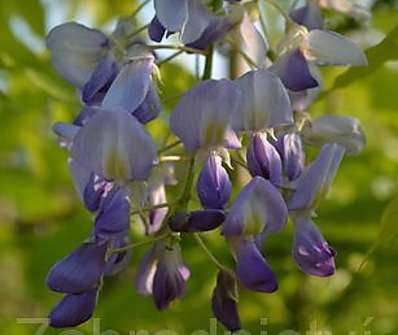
x=41 y=218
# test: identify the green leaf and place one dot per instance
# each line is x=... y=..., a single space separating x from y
x=385 y=51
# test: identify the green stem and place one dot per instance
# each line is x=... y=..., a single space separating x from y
x=178 y=47
x=138 y=31
x=147 y=209
x=139 y=244
x=208 y=65
x=169 y=147
x=171 y=57
x=186 y=193
x=213 y=258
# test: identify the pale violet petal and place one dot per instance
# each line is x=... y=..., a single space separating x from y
x=330 y=48
x=116 y=146
x=131 y=86
x=76 y=50
x=199 y=18
x=265 y=104
x=201 y=119
x=172 y=14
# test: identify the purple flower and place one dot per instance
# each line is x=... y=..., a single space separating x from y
x=224 y=299
x=76 y=51
x=74 y=309
x=132 y=90
x=310 y=250
x=291 y=150
x=258 y=205
x=265 y=102
x=113 y=219
x=156 y=30
x=252 y=269
x=94 y=192
x=163 y=274
x=213 y=186
x=293 y=69
x=80 y=271
x=201 y=119
x=109 y=144
x=197 y=221
x=315 y=182
x=309 y=16
x=263 y=159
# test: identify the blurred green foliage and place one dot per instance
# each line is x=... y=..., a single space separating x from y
x=41 y=218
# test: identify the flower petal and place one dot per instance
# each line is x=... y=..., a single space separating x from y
x=146 y=273
x=110 y=145
x=80 y=271
x=314 y=183
x=197 y=221
x=73 y=310
x=172 y=14
x=76 y=51
x=309 y=16
x=253 y=270
x=330 y=48
x=131 y=86
x=265 y=102
x=201 y=119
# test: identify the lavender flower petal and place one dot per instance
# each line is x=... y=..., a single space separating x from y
x=197 y=221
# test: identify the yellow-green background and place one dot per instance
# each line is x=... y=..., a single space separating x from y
x=41 y=219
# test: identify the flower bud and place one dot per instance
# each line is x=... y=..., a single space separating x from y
x=197 y=221
x=263 y=159
x=291 y=150
x=214 y=186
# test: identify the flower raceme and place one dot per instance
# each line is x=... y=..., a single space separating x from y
x=258 y=120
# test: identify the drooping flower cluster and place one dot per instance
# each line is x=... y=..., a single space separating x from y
x=118 y=172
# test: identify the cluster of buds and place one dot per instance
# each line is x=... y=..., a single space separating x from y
x=119 y=172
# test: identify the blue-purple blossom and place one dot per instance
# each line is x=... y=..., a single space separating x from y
x=162 y=274
x=80 y=271
x=257 y=206
x=293 y=69
x=109 y=144
x=213 y=186
x=315 y=182
x=116 y=262
x=113 y=218
x=309 y=16
x=311 y=252
x=263 y=159
x=197 y=221
x=73 y=309
x=265 y=102
x=224 y=301
x=252 y=269
x=201 y=119
x=291 y=150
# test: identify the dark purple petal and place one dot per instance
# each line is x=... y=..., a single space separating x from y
x=172 y=14
x=197 y=221
x=94 y=192
x=102 y=77
x=224 y=301
x=294 y=72
x=150 y=108
x=252 y=269
x=74 y=310
x=291 y=150
x=80 y=271
x=309 y=16
x=156 y=30
x=213 y=186
x=86 y=113
x=113 y=220
x=263 y=159
x=310 y=250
